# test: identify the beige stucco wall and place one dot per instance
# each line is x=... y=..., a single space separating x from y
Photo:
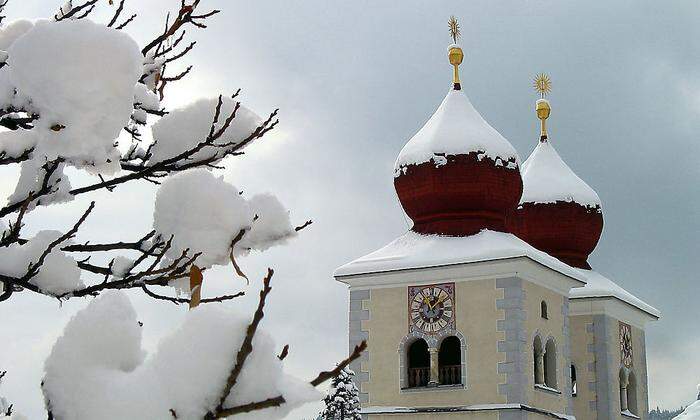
x=476 y=319
x=480 y=415
x=551 y=327
x=638 y=366
x=583 y=357
x=439 y=416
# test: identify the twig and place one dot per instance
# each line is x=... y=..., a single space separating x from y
x=279 y=400
x=126 y=22
x=305 y=225
x=116 y=14
x=285 y=352
x=247 y=345
x=178 y=301
x=34 y=267
x=109 y=247
x=87 y=7
x=324 y=376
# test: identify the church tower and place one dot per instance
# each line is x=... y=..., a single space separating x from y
x=487 y=308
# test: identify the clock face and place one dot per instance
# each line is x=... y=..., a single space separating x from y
x=431 y=308
x=626 y=344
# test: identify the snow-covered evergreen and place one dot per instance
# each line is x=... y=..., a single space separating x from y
x=343 y=399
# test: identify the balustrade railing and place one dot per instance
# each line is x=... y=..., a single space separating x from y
x=418 y=377
x=448 y=375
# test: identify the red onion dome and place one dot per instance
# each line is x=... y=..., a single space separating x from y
x=558 y=212
x=457 y=175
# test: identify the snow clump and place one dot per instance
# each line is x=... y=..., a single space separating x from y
x=203 y=213
x=184 y=128
x=98 y=370
x=79 y=77
x=58 y=274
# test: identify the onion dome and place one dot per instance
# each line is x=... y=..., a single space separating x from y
x=457 y=175
x=558 y=212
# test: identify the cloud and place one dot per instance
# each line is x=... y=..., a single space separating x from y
x=353 y=82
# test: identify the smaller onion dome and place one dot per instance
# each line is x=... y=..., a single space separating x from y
x=558 y=212
x=457 y=175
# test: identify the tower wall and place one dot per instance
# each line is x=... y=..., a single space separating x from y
x=583 y=358
x=555 y=327
x=597 y=356
x=476 y=317
x=496 y=321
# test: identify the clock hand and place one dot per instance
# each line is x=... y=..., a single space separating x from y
x=439 y=301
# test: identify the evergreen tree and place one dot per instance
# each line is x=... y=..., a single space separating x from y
x=343 y=399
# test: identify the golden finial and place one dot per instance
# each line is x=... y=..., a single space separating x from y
x=454 y=29
x=455 y=53
x=543 y=85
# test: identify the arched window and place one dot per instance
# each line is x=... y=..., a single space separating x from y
x=450 y=361
x=538 y=354
x=418 y=364
x=543 y=310
x=574 y=389
x=550 y=364
x=624 y=381
x=632 y=394
x=628 y=392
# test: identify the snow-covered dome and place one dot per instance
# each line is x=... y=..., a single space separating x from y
x=457 y=175
x=558 y=212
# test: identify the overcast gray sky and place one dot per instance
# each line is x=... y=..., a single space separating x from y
x=354 y=80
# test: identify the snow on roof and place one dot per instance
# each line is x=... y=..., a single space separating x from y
x=452 y=409
x=415 y=250
x=547 y=179
x=692 y=412
x=455 y=128
x=598 y=285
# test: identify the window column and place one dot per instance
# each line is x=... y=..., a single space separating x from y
x=434 y=367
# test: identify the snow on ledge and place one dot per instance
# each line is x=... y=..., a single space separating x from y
x=628 y=413
x=414 y=250
x=599 y=286
x=547 y=388
x=452 y=409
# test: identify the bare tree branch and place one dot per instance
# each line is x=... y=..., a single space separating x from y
x=34 y=267
x=178 y=301
x=285 y=352
x=184 y=16
x=116 y=14
x=279 y=400
x=247 y=345
x=126 y=22
x=304 y=226
x=85 y=8
x=87 y=247
x=324 y=376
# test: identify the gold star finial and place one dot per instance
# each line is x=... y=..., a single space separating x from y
x=542 y=84
x=454 y=28
x=455 y=53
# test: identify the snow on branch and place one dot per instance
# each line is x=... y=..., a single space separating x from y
x=5 y=406
x=205 y=214
x=72 y=114
x=70 y=91
x=197 y=372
